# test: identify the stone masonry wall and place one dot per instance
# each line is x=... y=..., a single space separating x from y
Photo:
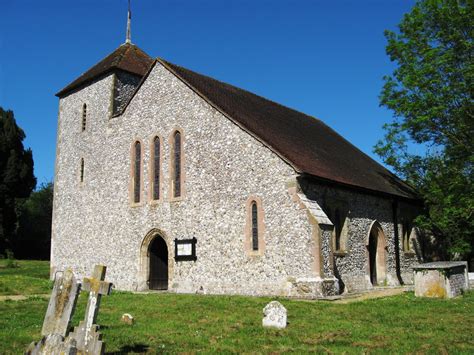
x=125 y=85
x=352 y=265
x=94 y=222
x=74 y=203
x=457 y=281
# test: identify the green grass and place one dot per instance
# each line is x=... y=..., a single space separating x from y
x=170 y=323
x=29 y=277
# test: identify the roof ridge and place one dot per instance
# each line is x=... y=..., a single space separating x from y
x=119 y=59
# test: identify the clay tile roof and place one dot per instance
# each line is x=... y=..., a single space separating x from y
x=305 y=142
x=127 y=57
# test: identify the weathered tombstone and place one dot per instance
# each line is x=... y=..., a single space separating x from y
x=441 y=279
x=274 y=315
x=86 y=335
x=58 y=316
x=127 y=319
x=53 y=344
x=61 y=304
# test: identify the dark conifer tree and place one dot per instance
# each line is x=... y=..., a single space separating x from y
x=33 y=236
x=16 y=175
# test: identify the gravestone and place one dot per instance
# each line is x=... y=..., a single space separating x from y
x=127 y=319
x=61 y=304
x=58 y=316
x=86 y=335
x=85 y=339
x=274 y=315
x=441 y=279
x=53 y=344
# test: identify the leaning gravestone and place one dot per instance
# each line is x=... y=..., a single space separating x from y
x=274 y=315
x=87 y=337
x=61 y=305
x=58 y=316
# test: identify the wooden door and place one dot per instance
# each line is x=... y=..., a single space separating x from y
x=158 y=279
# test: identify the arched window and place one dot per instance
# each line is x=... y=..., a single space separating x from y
x=177 y=177
x=254 y=226
x=82 y=170
x=254 y=243
x=84 y=117
x=156 y=168
x=137 y=161
x=407 y=230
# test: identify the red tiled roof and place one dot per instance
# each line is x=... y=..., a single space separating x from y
x=127 y=57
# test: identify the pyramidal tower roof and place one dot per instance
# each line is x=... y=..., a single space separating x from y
x=127 y=57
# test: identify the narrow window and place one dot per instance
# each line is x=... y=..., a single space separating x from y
x=254 y=239
x=254 y=226
x=177 y=165
x=136 y=172
x=156 y=168
x=406 y=236
x=84 y=117
x=338 y=229
x=82 y=170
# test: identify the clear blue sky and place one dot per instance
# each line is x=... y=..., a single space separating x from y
x=325 y=58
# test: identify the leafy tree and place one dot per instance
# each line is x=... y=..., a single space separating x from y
x=33 y=239
x=16 y=175
x=430 y=142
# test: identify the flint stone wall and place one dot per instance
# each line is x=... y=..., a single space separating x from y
x=457 y=282
x=352 y=265
x=94 y=222
x=125 y=85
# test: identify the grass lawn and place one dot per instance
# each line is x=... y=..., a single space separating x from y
x=170 y=323
x=30 y=277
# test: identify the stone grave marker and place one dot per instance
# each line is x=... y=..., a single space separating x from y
x=441 y=279
x=274 y=315
x=58 y=316
x=53 y=344
x=127 y=318
x=86 y=335
x=61 y=304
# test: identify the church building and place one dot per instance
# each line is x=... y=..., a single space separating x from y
x=176 y=181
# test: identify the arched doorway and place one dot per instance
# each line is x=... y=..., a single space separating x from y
x=376 y=247
x=158 y=264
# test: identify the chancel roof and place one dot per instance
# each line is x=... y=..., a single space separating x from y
x=306 y=143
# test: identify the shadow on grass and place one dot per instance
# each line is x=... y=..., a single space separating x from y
x=134 y=348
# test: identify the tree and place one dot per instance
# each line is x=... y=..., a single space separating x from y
x=16 y=175
x=430 y=142
x=33 y=237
